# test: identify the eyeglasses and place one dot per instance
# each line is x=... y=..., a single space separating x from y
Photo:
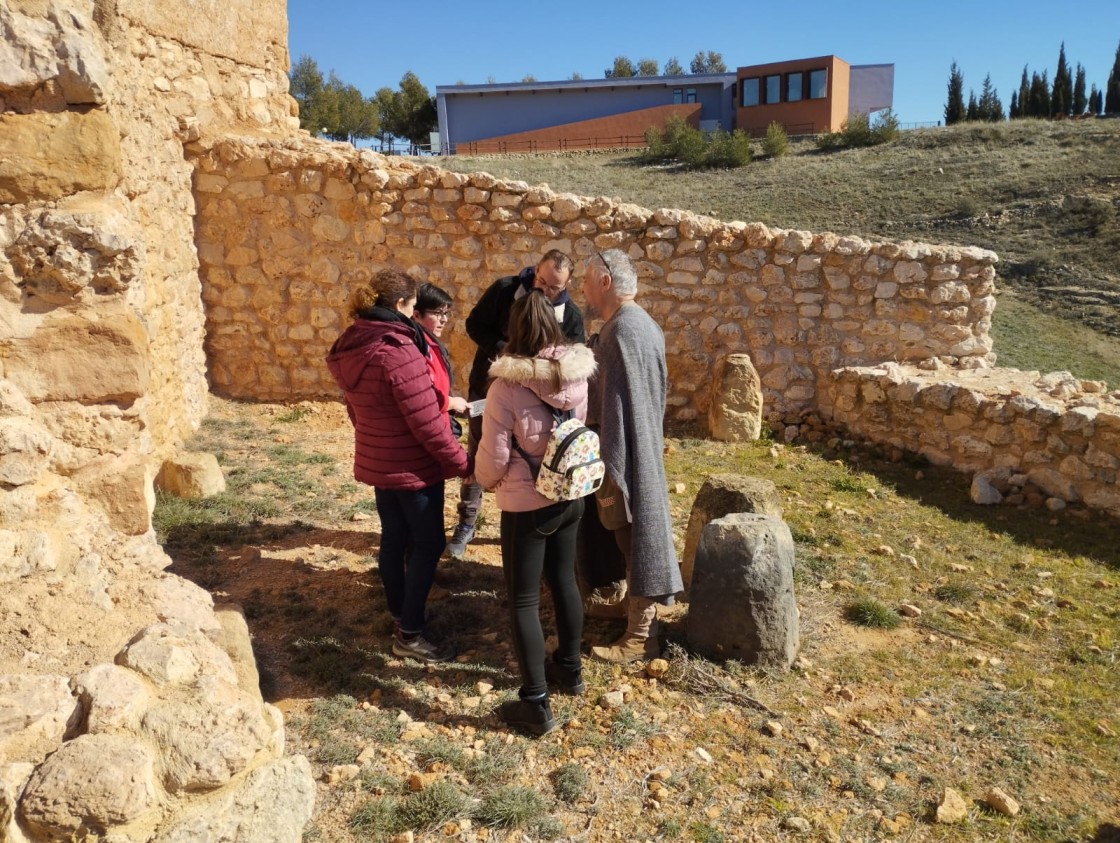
x=439 y=314
x=606 y=266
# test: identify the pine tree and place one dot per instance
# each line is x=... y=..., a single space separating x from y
x=1080 y=101
x=673 y=67
x=647 y=67
x=1024 y=94
x=1061 y=96
x=973 y=111
x=1013 y=111
x=989 y=107
x=1112 y=89
x=954 y=105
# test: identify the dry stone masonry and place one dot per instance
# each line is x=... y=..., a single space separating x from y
x=127 y=711
x=288 y=228
x=165 y=229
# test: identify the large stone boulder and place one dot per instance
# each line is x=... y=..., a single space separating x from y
x=723 y=494
x=92 y=783
x=735 y=411
x=191 y=474
x=742 y=604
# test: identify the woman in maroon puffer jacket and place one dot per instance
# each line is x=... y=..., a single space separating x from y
x=403 y=446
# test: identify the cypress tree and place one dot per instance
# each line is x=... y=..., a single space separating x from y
x=954 y=106
x=973 y=112
x=1112 y=89
x=1095 y=101
x=1024 y=94
x=1061 y=95
x=1013 y=111
x=1079 y=99
x=1040 y=95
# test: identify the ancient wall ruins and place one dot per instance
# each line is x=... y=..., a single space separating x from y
x=143 y=139
x=111 y=670
x=286 y=229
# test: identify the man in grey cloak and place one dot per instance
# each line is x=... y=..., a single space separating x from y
x=627 y=399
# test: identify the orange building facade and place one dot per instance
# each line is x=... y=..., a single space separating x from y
x=805 y=96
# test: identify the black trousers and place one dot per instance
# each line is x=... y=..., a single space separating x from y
x=535 y=545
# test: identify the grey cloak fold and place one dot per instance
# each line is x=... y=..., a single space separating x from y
x=628 y=401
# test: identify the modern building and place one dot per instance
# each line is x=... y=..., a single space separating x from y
x=808 y=95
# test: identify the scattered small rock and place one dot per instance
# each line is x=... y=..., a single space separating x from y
x=997 y=800
x=703 y=754
x=799 y=824
x=952 y=808
x=657 y=668
x=773 y=727
x=612 y=699
x=360 y=516
x=909 y=610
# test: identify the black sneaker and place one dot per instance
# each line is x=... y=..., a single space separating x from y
x=532 y=716
x=421 y=649
x=565 y=681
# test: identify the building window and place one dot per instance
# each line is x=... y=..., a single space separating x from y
x=678 y=96
x=690 y=95
x=794 y=83
x=773 y=89
x=818 y=84
x=749 y=94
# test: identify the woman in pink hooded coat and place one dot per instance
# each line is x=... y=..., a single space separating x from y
x=537 y=377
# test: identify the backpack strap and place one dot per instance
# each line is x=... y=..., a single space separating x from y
x=558 y=418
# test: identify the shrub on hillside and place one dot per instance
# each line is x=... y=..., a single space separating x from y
x=656 y=148
x=728 y=150
x=858 y=130
x=693 y=149
x=776 y=142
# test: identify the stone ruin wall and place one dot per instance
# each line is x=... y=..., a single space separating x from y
x=111 y=670
x=288 y=228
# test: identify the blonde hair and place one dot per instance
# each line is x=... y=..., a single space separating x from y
x=385 y=289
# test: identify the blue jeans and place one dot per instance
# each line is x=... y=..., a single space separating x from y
x=535 y=544
x=412 y=541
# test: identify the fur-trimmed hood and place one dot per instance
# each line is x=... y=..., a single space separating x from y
x=576 y=364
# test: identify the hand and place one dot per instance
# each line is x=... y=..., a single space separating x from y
x=457 y=405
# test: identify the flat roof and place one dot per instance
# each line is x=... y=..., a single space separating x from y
x=613 y=82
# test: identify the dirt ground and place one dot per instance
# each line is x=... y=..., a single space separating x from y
x=854 y=743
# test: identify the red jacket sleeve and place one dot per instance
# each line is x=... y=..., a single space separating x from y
x=416 y=396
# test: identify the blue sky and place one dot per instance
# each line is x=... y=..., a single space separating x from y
x=371 y=45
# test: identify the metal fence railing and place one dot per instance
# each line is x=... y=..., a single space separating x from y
x=548 y=145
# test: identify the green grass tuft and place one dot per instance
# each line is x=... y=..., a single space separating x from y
x=511 y=806
x=871 y=613
x=569 y=782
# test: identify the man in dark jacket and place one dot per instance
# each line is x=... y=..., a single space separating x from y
x=487 y=325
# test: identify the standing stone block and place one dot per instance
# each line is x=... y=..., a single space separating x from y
x=742 y=604
x=735 y=411
x=724 y=494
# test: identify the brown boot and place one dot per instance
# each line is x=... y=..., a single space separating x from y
x=607 y=601
x=639 y=642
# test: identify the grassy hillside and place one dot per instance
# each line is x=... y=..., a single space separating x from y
x=1043 y=195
